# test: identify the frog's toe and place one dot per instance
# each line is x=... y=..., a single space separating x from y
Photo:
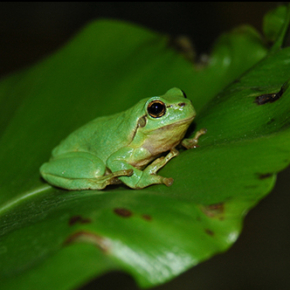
x=168 y=181
x=125 y=172
x=129 y=172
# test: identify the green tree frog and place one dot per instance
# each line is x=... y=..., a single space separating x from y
x=125 y=147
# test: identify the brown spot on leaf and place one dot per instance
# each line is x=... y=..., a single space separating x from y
x=79 y=219
x=269 y=98
x=90 y=238
x=265 y=175
x=214 y=210
x=123 y=212
x=209 y=232
x=147 y=217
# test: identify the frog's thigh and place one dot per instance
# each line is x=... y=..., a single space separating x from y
x=75 y=165
x=75 y=170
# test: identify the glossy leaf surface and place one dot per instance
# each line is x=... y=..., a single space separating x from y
x=57 y=239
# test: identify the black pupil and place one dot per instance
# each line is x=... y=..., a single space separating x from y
x=155 y=109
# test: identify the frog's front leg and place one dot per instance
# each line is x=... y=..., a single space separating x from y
x=124 y=158
x=192 y=142
x=79 y=171
x=158 y=164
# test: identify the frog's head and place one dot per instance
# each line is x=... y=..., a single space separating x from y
x=171 y=108
x=166 y=119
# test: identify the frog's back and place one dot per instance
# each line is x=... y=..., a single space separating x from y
x=101 y=137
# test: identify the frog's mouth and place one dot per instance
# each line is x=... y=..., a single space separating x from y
x=181 y=122
x=186 y=120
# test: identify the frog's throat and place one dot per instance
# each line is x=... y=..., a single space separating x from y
x=166 y=137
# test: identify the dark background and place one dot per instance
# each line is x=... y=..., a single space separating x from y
x=260 y=259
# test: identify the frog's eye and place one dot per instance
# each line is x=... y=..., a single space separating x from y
x=156 y=109
x=184 y=94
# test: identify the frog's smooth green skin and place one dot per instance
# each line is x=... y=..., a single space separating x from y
x=117 y=148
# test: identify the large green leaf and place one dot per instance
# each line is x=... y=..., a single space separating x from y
x=57 y=239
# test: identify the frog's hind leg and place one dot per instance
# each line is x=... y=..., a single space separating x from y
x=79 y=171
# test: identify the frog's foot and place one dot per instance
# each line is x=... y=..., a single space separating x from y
x=125 y=172
x=112 y=178
x=99 y=182
x=153 y=179
x=192 y=143
x=149 y=175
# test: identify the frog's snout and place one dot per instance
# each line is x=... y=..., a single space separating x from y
x=181 y=104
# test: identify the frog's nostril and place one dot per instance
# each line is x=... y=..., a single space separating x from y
x=181 y=104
